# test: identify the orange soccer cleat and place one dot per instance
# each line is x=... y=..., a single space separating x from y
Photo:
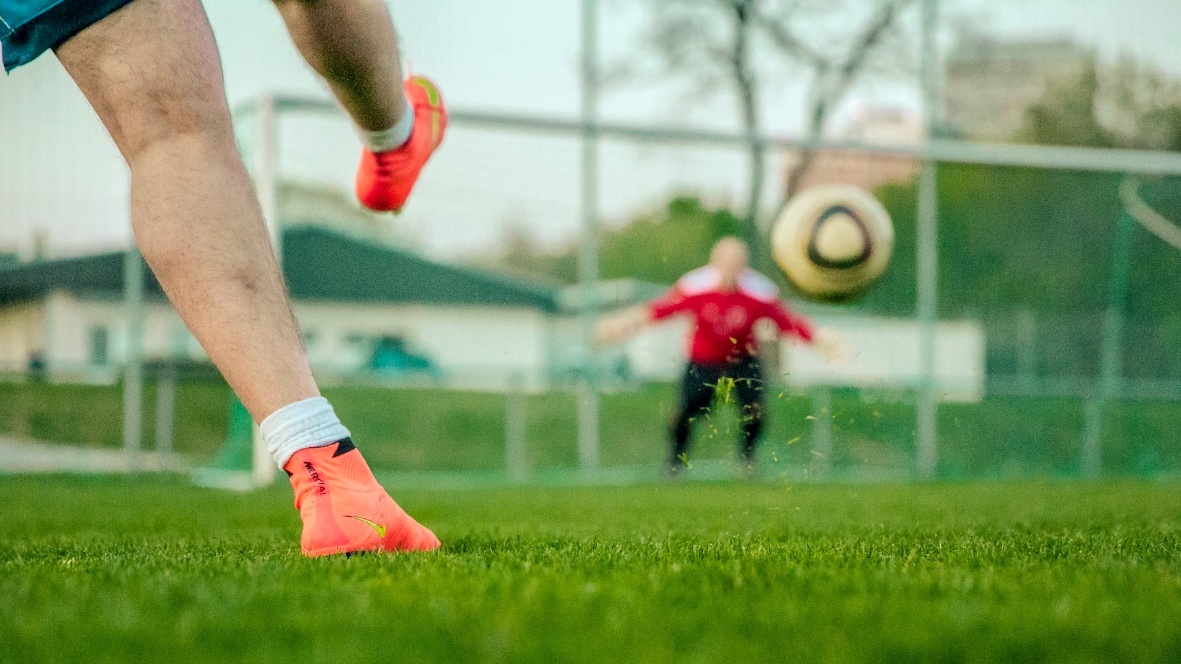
x=344 y=509
x=384 y=179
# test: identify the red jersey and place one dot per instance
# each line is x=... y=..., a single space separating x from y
x=724 y=321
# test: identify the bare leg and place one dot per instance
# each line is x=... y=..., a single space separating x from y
x=351 y=43
x=152 y=72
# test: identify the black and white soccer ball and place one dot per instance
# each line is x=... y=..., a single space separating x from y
x=833 y=242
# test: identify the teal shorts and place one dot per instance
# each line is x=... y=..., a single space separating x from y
x=28 y=28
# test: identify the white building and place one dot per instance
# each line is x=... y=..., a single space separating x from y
x=368 y=311
x=371 y=312
x=883 y=353
x=991 y=84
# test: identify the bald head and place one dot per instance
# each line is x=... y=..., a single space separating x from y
x=730 y=258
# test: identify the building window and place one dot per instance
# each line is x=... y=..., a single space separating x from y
x=100 y=345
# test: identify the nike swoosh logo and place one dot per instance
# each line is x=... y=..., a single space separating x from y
x=432 y=93
x=372 y=524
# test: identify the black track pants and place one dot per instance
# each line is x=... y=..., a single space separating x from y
x=739 y=383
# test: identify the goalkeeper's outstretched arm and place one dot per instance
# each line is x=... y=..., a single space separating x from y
x=623 y=325
x=627 y=323
x=826 y=342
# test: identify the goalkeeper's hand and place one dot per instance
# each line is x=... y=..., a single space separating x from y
x=829 y=344
x=620 y=327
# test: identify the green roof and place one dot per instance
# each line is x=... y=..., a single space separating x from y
x=97 y=273
x=320 y=264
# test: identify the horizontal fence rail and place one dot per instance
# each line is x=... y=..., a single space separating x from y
x=1146 y=162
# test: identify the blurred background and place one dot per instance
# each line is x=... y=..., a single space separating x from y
x=1029 y=153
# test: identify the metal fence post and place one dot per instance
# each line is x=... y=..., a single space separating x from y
x=822 y=431
x=927 y=265
x=516 y=459
x=1109 y=383
x=165 y=411
x=133 y=363
x=588 y=257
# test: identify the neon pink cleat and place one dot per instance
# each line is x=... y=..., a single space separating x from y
x=345 y=510
x=385 y=179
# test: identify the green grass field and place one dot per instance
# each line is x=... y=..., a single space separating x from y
x=109 y=570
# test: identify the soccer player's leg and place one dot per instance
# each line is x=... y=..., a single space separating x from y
x=152 y=72
x=352 y=44
x=697 y=393
x=752 y=403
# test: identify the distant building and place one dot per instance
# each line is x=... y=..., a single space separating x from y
x=990 y=83
x=367 y=311
x=377 y=314
x=886 y=126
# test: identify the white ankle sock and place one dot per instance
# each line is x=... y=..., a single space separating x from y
x=395 y=137
x=298 y=426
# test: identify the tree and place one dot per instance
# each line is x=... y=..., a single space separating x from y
x=834 y=68
x=738 y=45
x=1066 y=116
x=658 y=246
x=1125 y=105
x=710 y=42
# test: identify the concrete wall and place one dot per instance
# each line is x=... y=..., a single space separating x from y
x=884 y=352
x=658 y=353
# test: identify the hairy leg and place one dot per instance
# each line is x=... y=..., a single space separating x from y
x=351 y=43
x=152 y=72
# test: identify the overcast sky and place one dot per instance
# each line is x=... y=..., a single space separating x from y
x=59 y=172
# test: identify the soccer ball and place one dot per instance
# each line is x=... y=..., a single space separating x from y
x=832 y=242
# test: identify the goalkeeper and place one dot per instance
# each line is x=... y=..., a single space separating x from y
x=725 y=300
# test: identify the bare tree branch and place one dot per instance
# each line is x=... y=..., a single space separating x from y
x=832 y=81
x=870 y=37
x=782 y=37
x=742 y=14
x=710 y=41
